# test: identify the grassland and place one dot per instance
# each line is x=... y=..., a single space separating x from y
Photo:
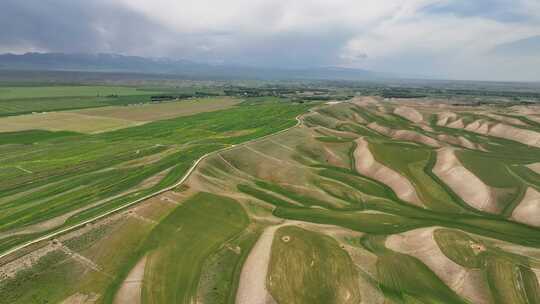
x=415 y=162
x=13 y=107
x=307 y=267
x=405 y=279
x=508 y=274
x=202 y=224
x=62 y=121
x=498 y=172
x=168 y=110
x=64 y=91
x=220 y=275
x=111 y=117
x=27 y=99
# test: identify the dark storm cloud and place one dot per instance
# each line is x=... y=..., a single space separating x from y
x=73 y=26
x=103 y=26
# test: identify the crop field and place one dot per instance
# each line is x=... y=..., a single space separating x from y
x=152 y=112
x=53 y=181
x=37 y=105
x=64 y=91
x=111 y=117
x=307 y=267
x=363 y=201
x=30 y=99
x=62 y=121
x=202 y=224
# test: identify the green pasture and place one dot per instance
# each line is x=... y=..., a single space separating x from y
x=220 y=275
x=456 y=245
x=504 y=171
x=508 y=275
x=178 y=247
x=65 y=91
x=307 y=267
x=407 y=280
x=415 y=162
x=27 y=99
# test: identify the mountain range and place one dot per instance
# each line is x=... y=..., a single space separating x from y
x=136 y=64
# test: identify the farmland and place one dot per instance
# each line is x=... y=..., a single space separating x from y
x=30 y=98
x=7 y=93
x=62 y=121
x=367 y=200
x=111 y=117
x=63 y=180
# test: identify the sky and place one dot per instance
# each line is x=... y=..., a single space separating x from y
x=450 y=39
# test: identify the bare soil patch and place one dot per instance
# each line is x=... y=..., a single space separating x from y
x=535 y=167
x=445 y=118
x=365 y=100
x=410 y=114
x=528 y=210
x=484 y=127
x=458 y=141
x=81 y=298
x=130 y=291
x=506 y=119
x=420 y=243
x=367 y=165
x=527 y=137
x=407 y=135
x=465 y=184
x=252 y=287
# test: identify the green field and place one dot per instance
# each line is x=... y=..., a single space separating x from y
x=108 y=118
x=499 y=172
x=29 y=99
x=415 y=162
x=307 y=267
x=405 y=279
x=65 y=91
x=201 y=224
x=75 y=174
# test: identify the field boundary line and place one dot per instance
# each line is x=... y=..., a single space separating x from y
x=23 y=169
x=127 y=205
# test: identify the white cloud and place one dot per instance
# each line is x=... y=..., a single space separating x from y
x=436 y=35
x=270 y=16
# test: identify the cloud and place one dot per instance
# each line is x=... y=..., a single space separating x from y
x=75 y=26
x=445 y=38
x=521 y=48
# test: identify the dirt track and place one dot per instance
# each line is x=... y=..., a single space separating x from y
x=252 y=286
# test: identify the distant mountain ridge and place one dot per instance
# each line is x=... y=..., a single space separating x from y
x=135 y=64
